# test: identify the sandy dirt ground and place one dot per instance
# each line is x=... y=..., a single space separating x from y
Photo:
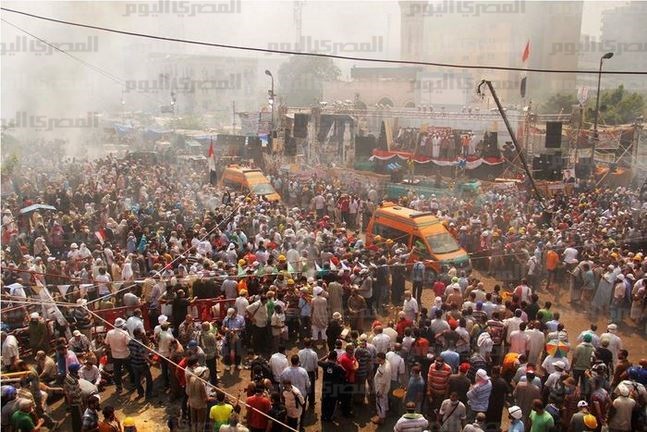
x=151 y=416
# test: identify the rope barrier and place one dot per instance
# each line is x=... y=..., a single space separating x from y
x=206 y=383
x=309 y=261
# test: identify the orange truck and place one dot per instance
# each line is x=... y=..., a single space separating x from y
x=424 y=234
x=249 y=180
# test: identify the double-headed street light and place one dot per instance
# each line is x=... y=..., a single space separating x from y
x=597 y=112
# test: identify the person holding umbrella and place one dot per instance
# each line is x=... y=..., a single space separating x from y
x=557 y=351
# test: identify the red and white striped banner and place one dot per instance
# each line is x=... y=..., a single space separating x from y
x=470 y=162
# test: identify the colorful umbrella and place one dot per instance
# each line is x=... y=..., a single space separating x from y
x=557 y=348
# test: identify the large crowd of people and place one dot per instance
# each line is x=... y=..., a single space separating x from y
x=146 y=277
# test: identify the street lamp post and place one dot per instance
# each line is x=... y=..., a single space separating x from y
x=597 y=112
x=271 y=93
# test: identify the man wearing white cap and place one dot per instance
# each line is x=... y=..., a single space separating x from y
x=623 y=406
x=577 y=420
x=556 y=376
x=117 y=339
x=516 y=424
x=79 y=343
x=164 y=338
x=615 y=343
x=319 y=314
x=158 y=328
x=73 y=254
x=478 y=397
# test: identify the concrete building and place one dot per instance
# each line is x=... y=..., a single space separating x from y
x=200 y=83
x=624 y=32
x=472 y=33
x=498 y=37
x=386 y=86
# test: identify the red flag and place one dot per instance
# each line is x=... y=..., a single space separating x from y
x=524 y=78
x=212 y=158
x=526 y=52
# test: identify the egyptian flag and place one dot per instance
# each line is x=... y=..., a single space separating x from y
x=101 y=235
x=212 y=164
x=524 y=61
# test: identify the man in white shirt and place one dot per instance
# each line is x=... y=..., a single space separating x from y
x=536 y=344
x=382 y=382
x=555 y=377
x=294 y=403
x=103 y=282
x=241 y=302
x=10 y=353
x=309 y=360
x=278 y=363
x=410 y=306
x=164 y=338
x=551 y=362
x=615 y=343
x=488 y=306
x=319 y=204
x=381 y=341
x=398 y=370
x=297 y=375
x=90 y=372
x=570 y=256
x=523 y=291
x=134 y=322
x=512 y=324
x=257 y=312
x=518 y=340
x=118 y=339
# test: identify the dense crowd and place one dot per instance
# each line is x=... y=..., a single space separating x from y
x=116 y=279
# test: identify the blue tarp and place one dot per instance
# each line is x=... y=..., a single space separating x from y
x=123 y=129
x=153 y=134
x=205 y=139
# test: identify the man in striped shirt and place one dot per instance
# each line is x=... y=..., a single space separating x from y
x=438 y=382
x=140 y=363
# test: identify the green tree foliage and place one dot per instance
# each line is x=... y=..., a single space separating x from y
x=558 y=103
x=617 y=106
x=301 y=79
x=187 y=122
x=10 y=164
